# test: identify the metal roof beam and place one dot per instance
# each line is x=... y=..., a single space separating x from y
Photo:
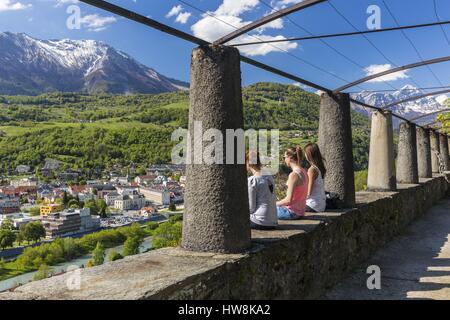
x=394 y=70
x=269 y=18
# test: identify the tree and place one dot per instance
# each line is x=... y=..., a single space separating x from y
x=20 y=238
x=98 y=254
x=168 y=234
x=7 y=224
x=33 y=231
x=65 y=199
x=102 y=207
x=43 y=272
x=2 y=266
x=113 y=256
x=7 y=238
x=172 y=206
x=131 y=246
x=34 y=211
x=74 y=204
x=92 y=206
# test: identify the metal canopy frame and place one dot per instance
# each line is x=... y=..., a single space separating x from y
x=394 y=70
x=346 y=34
x=101 y=4
x=430 y=114
x=269 y=18
x=434 y=93
x=128 y=14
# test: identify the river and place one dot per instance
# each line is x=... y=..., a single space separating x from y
x=82 y=261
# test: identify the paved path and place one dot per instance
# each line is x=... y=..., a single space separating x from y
x=415 y=265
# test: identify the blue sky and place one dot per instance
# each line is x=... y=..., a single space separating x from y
x=46 y=19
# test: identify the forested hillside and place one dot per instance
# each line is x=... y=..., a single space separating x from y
x=98 y=131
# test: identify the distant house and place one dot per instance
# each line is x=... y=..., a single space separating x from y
x=22 y=169
x=111 y=197
x=102 y=189
x=8 y=205
x=69 y=175
x=50 y=166
x=145 y=180
x=130 y=202
x=75 y=190
x=51 y=208
x=127 y=190
x=161 y=197
x=25 y=182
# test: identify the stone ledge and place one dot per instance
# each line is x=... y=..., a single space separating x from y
x=298 y=260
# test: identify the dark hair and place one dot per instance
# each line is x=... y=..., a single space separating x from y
x=250 y=158
x=314 y=157
x=296 y=153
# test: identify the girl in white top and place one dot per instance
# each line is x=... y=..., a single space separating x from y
x=261 y=195
x=316 y=200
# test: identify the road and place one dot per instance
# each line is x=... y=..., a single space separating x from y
x=415 y=265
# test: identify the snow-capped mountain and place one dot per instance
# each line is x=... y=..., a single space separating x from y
x=408 y=110
x=32 y=66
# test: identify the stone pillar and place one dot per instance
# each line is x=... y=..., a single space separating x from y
x=434 y=142
x=335 y=142
x=381 y=155
x=216 y=215
x=443 y=146
x=424 y=153
x=407 y=170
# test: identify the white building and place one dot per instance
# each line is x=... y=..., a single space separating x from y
x=111 y=197
x=127 y=190
x=25 y=182
x=160 y=197
x=130 y=202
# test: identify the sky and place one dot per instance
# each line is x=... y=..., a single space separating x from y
x=330 y=63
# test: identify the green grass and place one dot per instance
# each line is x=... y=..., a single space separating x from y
x=12 y=131
x=11 y=271
x=177 y=105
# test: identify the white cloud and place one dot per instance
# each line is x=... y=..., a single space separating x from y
x=264 y=49
x=60 y=3
x=94 y=22
x=174 y=11
x=8 y=5
x=227 y=18
x=442 y=98
x=183 y=17
x=236 y=8
x=377 y=68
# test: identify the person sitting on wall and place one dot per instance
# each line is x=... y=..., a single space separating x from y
x=293 y=205
x=316 y=201
x=261 y=195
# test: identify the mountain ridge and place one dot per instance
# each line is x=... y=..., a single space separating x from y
x=30 y=66
x=408 y=110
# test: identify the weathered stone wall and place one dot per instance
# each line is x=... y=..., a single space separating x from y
x=298 y=261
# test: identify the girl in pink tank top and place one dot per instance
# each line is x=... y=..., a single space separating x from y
x=293 y=205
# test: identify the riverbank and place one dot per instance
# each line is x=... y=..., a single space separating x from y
x=26 y=277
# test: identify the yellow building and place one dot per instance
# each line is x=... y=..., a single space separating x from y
x=51 y=208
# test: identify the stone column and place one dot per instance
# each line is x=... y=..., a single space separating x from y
x=424 y=153
x=381 y=155
x=434 y=142
x=216 y=215
x=407 y=170
x=443 y=146
x=335 y=142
